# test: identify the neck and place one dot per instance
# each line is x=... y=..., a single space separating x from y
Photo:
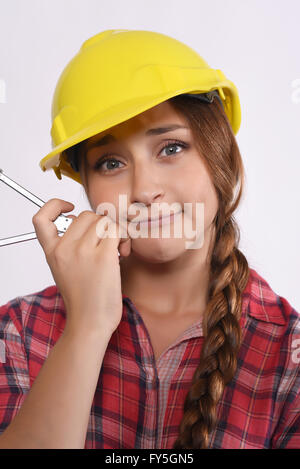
x=176 y=288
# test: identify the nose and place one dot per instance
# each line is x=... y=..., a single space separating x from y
x=146 y=186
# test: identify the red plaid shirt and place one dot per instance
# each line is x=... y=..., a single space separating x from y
x=138 y=403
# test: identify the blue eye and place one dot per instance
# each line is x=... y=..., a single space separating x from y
x=170 y=145
x=105 y=158
x=101 y=162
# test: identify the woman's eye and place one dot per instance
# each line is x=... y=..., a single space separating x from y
x=104 y=159
x=170 y=145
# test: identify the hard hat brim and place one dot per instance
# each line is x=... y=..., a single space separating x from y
x=126 y=110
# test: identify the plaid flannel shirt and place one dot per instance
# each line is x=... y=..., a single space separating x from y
x=138 y=402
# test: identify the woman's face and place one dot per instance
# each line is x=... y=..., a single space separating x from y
x=142 y=167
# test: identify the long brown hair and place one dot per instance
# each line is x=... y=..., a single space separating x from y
x=229 y=271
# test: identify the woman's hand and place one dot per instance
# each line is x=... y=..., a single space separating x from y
x=85 y=266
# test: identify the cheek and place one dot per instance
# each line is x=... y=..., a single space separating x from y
x=98 y=196
x=102 y=192
x=200 y=189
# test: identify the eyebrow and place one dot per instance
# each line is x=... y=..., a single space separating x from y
x=157 y=131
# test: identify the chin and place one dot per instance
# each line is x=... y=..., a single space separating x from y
x=157 y=251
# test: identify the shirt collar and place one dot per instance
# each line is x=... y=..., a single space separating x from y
x=259 y=302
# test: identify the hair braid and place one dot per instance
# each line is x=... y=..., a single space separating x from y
x=229 y=272
x=229 y=275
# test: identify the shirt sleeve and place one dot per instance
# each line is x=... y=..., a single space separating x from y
x=14 y=371
x=287 y=432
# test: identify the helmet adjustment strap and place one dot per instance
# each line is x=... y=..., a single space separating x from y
x=206 y=97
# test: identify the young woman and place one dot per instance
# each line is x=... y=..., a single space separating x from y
x=165 y=346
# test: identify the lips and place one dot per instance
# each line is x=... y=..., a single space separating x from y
x=161 y=217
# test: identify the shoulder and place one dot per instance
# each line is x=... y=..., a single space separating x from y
x=40 y=310
x=264 y=304
x=270 y=320
x=30 y=325
x=272 y=323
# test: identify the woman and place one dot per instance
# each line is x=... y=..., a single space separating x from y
x=166 y=346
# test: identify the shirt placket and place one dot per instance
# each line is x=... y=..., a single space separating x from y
x=150 y=429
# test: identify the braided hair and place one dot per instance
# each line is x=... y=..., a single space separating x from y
x=229 y=272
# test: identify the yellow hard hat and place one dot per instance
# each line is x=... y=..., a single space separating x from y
x=120 y=73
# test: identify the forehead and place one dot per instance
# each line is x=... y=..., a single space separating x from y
x=157 y=116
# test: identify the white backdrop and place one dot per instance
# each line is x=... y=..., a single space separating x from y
x=254 y=42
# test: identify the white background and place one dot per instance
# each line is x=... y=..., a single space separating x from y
x=255 y=43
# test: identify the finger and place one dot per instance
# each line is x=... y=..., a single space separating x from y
x=125 y=242
x=100 y=229
x=125 y=248
x=42 y=221
x=80 y=225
